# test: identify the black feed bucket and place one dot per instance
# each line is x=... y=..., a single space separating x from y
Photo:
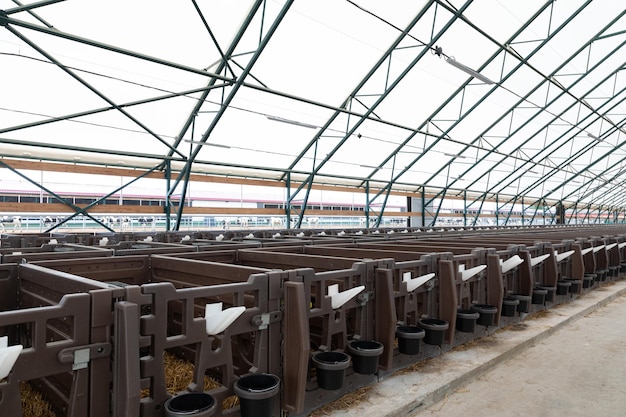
x=487 y=314
x=256 y=394
x=435 y=330
x=509 y=306
x=466 y=320
x=331 y=369
x=410 y=339
x=365 y=355
x=196 y=404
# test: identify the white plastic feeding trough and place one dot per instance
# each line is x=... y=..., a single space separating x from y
x=564 y=255
x=469 y=273
x=218 y=320
x=586 y=251
x=414 y=283
x=337 y=299
x=538 y=259
x=510 y=263
x=8 y=356
x=597 y=248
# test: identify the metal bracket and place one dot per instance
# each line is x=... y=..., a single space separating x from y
x=363 y=298
x=79 y=356
x=263 y=320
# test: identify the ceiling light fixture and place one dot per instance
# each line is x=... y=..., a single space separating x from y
x=216 y=145
x=291 y=122
x=454 y=156
x=450 y=60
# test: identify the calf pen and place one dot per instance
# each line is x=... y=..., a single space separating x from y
x=174 y=305
x=142 y=314
x=57 y=319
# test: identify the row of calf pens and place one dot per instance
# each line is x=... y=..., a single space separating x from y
x=274 y=324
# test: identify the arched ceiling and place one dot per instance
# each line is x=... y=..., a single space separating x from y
x=503 y=97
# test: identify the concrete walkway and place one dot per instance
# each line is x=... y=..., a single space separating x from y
x=569 y=360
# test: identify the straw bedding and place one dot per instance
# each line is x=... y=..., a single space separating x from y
x=33 y=404
x=178 y=372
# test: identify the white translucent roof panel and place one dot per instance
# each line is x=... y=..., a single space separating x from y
x=330 y=91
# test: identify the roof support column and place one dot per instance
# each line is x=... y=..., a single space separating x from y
x=423 y=207
x=498 y=212
x=287 y=199
x=168 y=202
x=264 y=40
x=464 y=208
x=367 y=204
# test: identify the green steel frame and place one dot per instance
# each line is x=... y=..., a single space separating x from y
x=596 y=181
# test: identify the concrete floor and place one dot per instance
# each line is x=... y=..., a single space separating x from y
x=568 y=361
x=578 y=371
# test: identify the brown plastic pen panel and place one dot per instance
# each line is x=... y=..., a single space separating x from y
x=53 y=321
x=51 y=251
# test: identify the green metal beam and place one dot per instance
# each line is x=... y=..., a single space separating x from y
x=367 y=204
x=384 y=205
x=588 y=167
x=589 y=193
x=82 y=81
x=222 y=65
x=60 y=199
x=103 y=198
x=288 y=203
x=168 y=201
x=388 y=88
x=29 y=7
x=6 y=20
x=549 y=79
x=523 y=169
x=288 y=194
x=236 y=86
x=423 y=206
x=108 y=108
x=337 y=112
x=443 y=136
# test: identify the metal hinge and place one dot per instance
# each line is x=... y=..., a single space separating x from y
x=79 y=356
x=263 y=320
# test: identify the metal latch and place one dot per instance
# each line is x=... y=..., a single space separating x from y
x=79 y=356
x=363 y=298
x=263 y=320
